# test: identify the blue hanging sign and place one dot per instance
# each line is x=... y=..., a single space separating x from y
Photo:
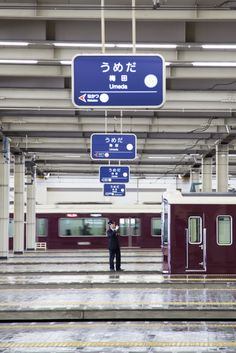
x=114 y=190
x=114 y=174
x=113 y=146
x=118 y=81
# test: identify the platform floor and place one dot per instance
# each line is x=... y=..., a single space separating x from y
x=82 y=261
x=118 y=337
x=68 y=302
x=59 y=290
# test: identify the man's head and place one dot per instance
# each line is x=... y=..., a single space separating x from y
x=112 y=224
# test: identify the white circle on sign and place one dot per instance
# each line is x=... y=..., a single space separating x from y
x=129 y=147
x=122 y=190
x=125 y=174
x=150 y=81
x=104 y=97
x=106 y=154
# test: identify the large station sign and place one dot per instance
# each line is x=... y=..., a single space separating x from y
x=118 y=81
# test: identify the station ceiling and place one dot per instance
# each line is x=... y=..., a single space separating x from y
x=38 y=40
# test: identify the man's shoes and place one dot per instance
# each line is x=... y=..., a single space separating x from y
x=112 y=269
x=119 y=269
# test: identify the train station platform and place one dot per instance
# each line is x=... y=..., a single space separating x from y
x=78 y=286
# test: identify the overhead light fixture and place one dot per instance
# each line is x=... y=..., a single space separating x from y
x=76 y=45
x=115 y=45
x=72 y=156
x=16 y=61
x=161 y=157
x=146 y=46
x=16 y=44
x=219 y=46
x=65 y=62
x=214 y=64
x=157 y=46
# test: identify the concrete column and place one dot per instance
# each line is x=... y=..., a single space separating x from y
x=207 y=174
x=194 y=179
x=19 y=204
x=222 y=167
x=30 y=214
x=4 y=197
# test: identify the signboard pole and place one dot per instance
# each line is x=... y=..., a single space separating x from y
x=133 y=27
x=121 y=121
x=102 y=26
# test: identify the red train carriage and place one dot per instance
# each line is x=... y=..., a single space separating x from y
x=198 y=233
x=85 y=226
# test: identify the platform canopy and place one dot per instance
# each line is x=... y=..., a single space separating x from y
x=197 y=40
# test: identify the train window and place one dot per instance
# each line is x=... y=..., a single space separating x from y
x=195 y=230
x=77 y=227
x=156 y=227
x=164 y=223
x=224 y=230
x=11 y=228
x=129 y=226
x=41 y=227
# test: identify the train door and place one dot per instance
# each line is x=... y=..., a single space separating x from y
x=195 y=244
x=130 y=227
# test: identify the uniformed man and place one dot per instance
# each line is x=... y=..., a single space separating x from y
x=114 y=246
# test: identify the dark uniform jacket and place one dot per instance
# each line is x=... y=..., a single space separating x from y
x=113 y=240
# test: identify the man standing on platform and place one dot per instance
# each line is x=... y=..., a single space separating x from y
x=114 y=246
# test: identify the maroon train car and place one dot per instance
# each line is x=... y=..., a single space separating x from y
x=85 y=226
x=199 y=233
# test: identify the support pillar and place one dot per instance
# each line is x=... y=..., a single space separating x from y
x=19 y=204
x=30 y=213
x=207 y=174
x=4 y=197
x=194 y=179
x=222 y=167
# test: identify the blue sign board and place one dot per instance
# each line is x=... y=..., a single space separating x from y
x=114 y=174
x=118 y=81
x=113 y=146
x=114 y=190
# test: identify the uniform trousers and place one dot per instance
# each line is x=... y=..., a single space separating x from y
x=114 y=253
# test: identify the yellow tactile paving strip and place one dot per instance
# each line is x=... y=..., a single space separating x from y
x=125 y=344
x=115 y=344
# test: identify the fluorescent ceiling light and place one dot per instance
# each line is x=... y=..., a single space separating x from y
x=75 y=45
x=157 y=46
x=65 y=62
x=115 y=45
x=13 y=61
x=72 y=156
x=161 y=157
x=214 y=63
x=18 y=44
x=219 y=46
